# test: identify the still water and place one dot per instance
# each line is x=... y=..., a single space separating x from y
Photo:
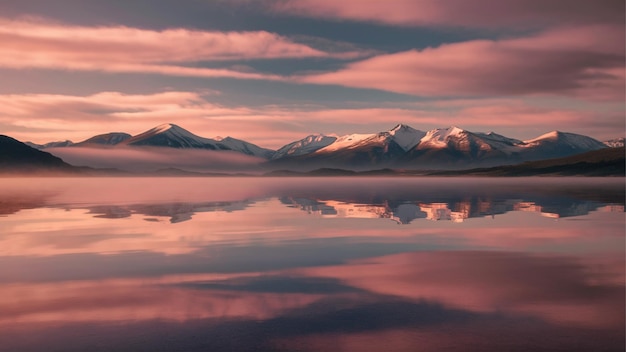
x=312 y=264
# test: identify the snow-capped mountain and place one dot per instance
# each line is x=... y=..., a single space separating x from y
x=453 y=147
x=306 y=145
x=112 y=138
x=498 y=137
x=558 y=144
x=450 y=147
x=165 y=135
x=173 y=136
x=563 y=139
x=439 y=138
x=170 y=135
x=614 y=143
x=403 y=136
x=456 y=148
x=357 y=150
x=349 y=141
x=465 y=141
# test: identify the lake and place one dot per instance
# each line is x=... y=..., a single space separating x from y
x=312 y=264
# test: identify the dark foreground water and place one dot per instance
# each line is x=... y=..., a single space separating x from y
x=302 y=264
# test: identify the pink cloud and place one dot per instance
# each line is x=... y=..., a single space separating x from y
x=495 y=282
x=143 y=298
x=571 y=61
x=39 y=44
x=461 y=13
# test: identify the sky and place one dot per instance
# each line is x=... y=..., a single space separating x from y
x=274 y=71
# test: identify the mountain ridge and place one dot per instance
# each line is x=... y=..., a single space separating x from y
x=19 y=158
x=443 y=148
x=400 y=147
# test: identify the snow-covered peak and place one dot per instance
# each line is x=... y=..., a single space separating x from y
x=494 y=137
x=406 y=136
x=399 y=127
x=315 y=140
x=111 y=138
x=173 y=136
x=403 y=135
x=178 y=131
x=455 y=131
x=174 y=131
x=553 y=135
x=162 y=128
x=170 y=135
x=439 y=137
x=306 y=145
x=570 y=140
x=347 y=141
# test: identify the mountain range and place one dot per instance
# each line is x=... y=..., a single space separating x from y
x=166 y=135
x=404 y=147
x=444 y=148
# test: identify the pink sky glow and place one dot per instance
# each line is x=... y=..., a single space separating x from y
x=520 y=68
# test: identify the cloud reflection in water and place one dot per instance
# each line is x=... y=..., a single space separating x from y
x=289 y=265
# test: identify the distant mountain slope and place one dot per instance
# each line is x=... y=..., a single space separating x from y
x=614 y=143
x=604 y=162
x=16 y=156
x=559 y=144
x=56 y=144
x=244 y=147
x=112 y=138
x=306 y=145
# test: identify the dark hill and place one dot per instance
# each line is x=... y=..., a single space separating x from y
x=603 y=162
x=16 y=156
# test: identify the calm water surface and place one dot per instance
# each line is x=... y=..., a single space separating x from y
x=305 y=264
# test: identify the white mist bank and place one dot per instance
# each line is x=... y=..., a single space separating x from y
x=146 y=159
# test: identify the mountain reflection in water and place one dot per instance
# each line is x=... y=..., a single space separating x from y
x=432 y=200
x=312 y=264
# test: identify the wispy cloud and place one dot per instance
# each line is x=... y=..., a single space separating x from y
x=460 y=13
x=583 y=61
x=42 y=44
